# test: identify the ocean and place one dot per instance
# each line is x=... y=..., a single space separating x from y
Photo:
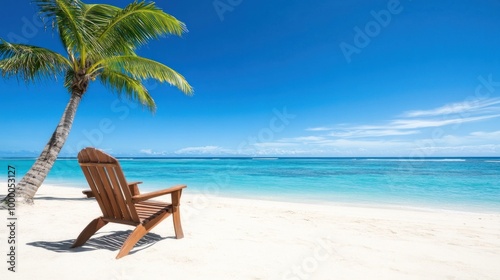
x=470 y=184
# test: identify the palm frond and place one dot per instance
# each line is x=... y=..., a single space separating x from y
x=135 y=25
x=143 y=68
x=66 y=17
x=98 y=16
x=68 y=79
x=131 y=87
x=30 y=62
x=95 y=18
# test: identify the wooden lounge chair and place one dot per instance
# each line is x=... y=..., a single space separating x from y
x=121 y=202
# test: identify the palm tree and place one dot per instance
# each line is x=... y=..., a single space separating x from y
x=100 y=42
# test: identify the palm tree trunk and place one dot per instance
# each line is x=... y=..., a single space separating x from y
x=29 y=184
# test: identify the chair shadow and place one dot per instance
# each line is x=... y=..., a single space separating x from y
x=60 y=198
x=108 y=241
x=2 y=197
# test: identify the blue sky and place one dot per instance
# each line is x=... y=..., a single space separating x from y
x=286 y=78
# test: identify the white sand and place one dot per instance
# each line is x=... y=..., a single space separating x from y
x=247 y=239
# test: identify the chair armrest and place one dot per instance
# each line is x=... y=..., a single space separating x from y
x=146 y=196
x=88 y=193
x=134 y=189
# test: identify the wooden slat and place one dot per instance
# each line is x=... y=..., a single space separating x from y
x=84 y=156
x=103 y=164
x=151 y=212
x=97 y=196
x=109 y=188
x=119 y=195
x=98 y=180
x=126 y=192
x=147 y=212
x=150 y=222
x=150 y=206
x=118 y=221
x=154 y=203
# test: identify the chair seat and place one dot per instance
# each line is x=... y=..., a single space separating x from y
x=150 y=209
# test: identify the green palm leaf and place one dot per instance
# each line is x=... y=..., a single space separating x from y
x=97 y=16
x=30 y=62
x=66 y=16
x=132 y=88
x=135 y=25
x=143 y=68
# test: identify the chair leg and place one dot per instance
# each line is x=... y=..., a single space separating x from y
x=176 y=214
x=139 y=232
x=176 y=217
x=132 y=239
x=88 y=231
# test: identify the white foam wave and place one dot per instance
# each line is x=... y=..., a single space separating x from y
x=421 y=160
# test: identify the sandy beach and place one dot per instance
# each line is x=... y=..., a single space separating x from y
x=229 y=238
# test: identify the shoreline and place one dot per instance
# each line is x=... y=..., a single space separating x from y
x=387 y=184
x=409 y=205
x=231 y=238
x=283 y=200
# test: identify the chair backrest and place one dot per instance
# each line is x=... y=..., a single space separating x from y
x=107 y=182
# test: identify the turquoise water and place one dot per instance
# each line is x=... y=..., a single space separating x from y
x=456 y=183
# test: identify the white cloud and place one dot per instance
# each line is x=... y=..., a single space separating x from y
x=212 y=150
x=372 y=133
x=413 y=124
x=146 y=151
x=304 y=139
x=457 y=150
x=318 y=129
x=415 y=132
x=280 y=144
x=483 y=134
x=366 y=144
x=150 y=152
x=280 y=152
x=467 y=107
